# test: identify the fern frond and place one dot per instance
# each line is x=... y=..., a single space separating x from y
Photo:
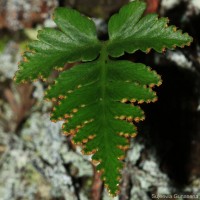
x=95 y=114
x=75 y=41
x=131 y=32
x=99 y=98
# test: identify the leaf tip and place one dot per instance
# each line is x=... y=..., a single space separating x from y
x=141 y=101
x=148 y=50
x=137 y=119
x=95 y=162
x=155 y=99
x=164 y=49
x=133 y=100
x=124 y=100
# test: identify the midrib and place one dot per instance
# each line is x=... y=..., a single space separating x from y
x=103 y=59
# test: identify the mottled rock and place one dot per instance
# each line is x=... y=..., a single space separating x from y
x=17 y=14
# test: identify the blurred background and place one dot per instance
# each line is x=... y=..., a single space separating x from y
x=38 y=163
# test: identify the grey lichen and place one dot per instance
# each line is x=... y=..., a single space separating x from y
x=9 y=59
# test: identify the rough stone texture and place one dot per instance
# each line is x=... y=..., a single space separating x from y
x=40 y=157
x=38 y=162
x=9 y=59
x=17 y=14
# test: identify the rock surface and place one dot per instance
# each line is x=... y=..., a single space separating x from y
x=38 y=162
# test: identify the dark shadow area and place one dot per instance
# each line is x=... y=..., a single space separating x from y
x=172 y=122
x=177 y=14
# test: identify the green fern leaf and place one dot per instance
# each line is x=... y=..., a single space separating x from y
x=129 y=32
x=99 y=98
x=75 y=41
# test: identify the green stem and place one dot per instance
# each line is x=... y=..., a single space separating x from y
x=103 y=81
x=103 y=60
